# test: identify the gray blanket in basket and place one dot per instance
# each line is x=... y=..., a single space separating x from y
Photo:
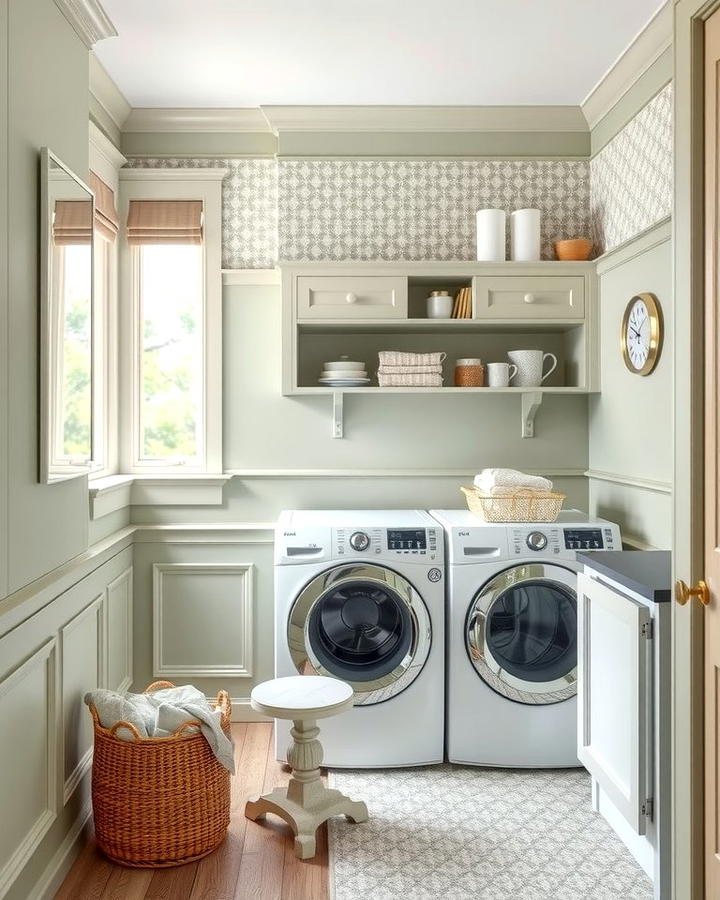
x=158 y=715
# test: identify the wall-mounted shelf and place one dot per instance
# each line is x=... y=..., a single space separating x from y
x=357 y=309
x=530 y=400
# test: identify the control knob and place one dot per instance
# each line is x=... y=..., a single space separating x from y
x=359 y=541
x=536 y=540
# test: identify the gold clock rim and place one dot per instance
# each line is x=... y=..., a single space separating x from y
x=656 y=333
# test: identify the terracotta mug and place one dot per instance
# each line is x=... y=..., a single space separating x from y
x=530 y=365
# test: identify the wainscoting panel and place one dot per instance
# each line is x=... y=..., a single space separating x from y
x=82 y=666
x=202 y=620
x=28 y=770
x=119 y=613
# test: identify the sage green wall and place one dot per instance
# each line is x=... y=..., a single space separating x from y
x=631 y=419
x=47 y=105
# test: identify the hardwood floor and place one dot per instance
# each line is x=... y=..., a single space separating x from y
x=255 y=862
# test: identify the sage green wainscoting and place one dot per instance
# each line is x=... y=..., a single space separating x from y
x=80 y=639
x=204 y=609
x=631 y=418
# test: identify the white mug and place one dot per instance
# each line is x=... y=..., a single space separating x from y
x=530 y=366
x=499 y=375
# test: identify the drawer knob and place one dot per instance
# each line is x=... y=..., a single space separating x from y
x=350 y=297
x=529 y=298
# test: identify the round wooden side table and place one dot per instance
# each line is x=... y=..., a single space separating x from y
x=306 y=803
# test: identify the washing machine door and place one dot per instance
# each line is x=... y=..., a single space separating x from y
x=364 y=624
x=521 y=633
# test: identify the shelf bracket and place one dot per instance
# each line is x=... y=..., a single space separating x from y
x=337 y=420
x=530 y=404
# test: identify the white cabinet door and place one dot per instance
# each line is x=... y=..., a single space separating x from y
x=529 y=297
x=351 y=297
x=615 y=697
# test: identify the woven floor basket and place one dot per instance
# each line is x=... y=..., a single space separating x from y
x=159 y=802
x=516 y=507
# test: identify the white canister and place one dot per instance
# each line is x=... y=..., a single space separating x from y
x=490 y=225
x=439 y=305
x=525 y=235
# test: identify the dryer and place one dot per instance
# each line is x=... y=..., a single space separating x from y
x=512 y=637
x=360 y=596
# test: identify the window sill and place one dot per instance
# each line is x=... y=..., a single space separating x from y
x=118 y=491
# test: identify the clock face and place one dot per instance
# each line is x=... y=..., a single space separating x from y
x=642 y=334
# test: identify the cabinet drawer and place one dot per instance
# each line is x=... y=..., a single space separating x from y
x=530 y=297
x=351 y=297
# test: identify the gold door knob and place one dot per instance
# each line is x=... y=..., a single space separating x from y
x=683 y=593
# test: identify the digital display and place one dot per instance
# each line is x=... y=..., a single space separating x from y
x=583 y=539
x=407 y=539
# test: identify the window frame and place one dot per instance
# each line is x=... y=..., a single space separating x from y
x=203 y=184
x=106 y=161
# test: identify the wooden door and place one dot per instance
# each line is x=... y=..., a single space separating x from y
x=712 y=448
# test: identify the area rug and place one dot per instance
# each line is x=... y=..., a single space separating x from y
x=463 y=833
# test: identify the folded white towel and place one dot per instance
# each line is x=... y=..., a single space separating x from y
x=403 y=358
x=160 y=713
x=499 y=481
x=409 y=380
x=410 y=370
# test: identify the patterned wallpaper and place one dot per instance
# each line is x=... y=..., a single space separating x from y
x=308 y=209
x=631 y=179
x=249 y=200
x=419 y=209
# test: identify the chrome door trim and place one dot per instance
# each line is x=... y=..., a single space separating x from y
x=367 y=693
x=538 y=693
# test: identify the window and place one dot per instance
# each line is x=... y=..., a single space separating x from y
x=171 y=398
x=171 y=355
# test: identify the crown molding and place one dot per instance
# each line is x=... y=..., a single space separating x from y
x=107 y=93
x=89 y=20
x=195 y=120
x=636 y=59
x=106 y=148
x=425 y=118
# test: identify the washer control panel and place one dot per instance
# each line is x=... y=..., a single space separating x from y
x=412 y=544
x=555 y=540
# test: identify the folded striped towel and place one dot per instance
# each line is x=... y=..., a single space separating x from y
x=503 y=481
x=424 y=379
x=403 y=358
x=410 y=370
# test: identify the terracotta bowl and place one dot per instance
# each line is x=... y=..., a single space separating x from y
x=578 y=248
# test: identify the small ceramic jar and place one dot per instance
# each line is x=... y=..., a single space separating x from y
x=469 y=373
x=439 y=305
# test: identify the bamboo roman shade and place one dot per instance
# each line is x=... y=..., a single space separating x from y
x=106 y=217
x=72 y=223
x=165 y=222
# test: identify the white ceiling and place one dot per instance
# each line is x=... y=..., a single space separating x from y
x=239 y=53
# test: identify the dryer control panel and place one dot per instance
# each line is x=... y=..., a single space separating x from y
x=411 y=544
x=556 y=540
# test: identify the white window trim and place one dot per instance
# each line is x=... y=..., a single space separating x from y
x=173 y=184
x=106 y=161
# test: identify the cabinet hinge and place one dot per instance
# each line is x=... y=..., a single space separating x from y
x=647 y=808
x=647 y=630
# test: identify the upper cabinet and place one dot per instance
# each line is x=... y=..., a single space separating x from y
x=529 y=297
x=351 y=296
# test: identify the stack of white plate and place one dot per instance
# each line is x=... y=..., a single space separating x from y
x=344 y=372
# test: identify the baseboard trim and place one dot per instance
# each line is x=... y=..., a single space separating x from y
x=57 y=869
x=242 y=711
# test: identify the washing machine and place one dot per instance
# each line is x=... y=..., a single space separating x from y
x=360 y=596
x=512 y=637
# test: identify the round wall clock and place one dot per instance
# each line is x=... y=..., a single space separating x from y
x=641 y=336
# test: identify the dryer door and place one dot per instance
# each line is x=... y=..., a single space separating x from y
x=364 y=624
x=521 y=633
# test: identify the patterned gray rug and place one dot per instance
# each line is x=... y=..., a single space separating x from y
x=462 y=833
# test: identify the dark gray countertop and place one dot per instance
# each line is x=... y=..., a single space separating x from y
x=646 y=572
